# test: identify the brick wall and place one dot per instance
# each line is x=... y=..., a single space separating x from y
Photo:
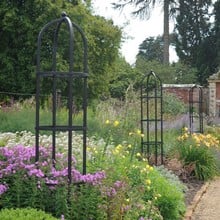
x=182 y=92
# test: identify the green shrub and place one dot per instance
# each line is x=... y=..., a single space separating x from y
x=24 y=214
x=172 y=105
x=196 y=152
x=171 y=200
x=168 y=174
x=201 y=160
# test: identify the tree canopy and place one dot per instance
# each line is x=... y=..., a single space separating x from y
x=20 y=24
x=151 y=49
x=196 y=39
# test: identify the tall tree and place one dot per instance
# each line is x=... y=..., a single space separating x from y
x=216 y=30
x=195 y=44
x=143 y=10
x=192 y=27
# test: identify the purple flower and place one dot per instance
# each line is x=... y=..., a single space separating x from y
x=3 y=188
x=93 y=179
x=119 y=184
x=36 y=172
x=109 y=191
x=21 y=160
x=59 y=173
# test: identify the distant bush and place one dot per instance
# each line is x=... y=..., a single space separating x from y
x=173 y=105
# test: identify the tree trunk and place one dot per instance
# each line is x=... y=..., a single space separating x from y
x=166 y=32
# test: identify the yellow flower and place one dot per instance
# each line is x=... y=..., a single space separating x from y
x=129 y=146
x=138 y=154
x=143 y=170
x=149 y=168
x=130 y=133
x=119 y=147
x=107 y=122
x=138 y=131
x=148 y=181
x=116 y=123
x=115 y=151
x=208 y=136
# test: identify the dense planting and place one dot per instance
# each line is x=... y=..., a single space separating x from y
x=119 y=184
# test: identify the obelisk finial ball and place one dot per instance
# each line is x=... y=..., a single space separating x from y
x=63 y=14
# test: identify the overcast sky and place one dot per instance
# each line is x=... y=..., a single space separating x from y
x=135 y=30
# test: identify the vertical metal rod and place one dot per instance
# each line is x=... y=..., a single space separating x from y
x=70 y=100
x=84 y=124
x=54 y=91
x=155 y=121
x=201 y=109
x=142 y=128
x=161 y=123
x=37 y=119
x=148 y=121
x=190 y=111
x=193 y=100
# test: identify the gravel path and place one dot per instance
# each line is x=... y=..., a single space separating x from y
x=208 y=207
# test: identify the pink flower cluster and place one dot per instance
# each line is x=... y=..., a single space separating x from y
x=20 y=158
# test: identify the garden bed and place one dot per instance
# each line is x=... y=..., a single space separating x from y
x=192 y=184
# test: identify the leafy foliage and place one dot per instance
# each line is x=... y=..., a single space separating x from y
x=192 y=27
x=131 y=190
x=195 y=151
x=18 y=54
x=171 y=198
x=124 y=78
x=172 y=105
x=195 y=40
x=176 y=73
x=152 y=49
x=25 y=214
